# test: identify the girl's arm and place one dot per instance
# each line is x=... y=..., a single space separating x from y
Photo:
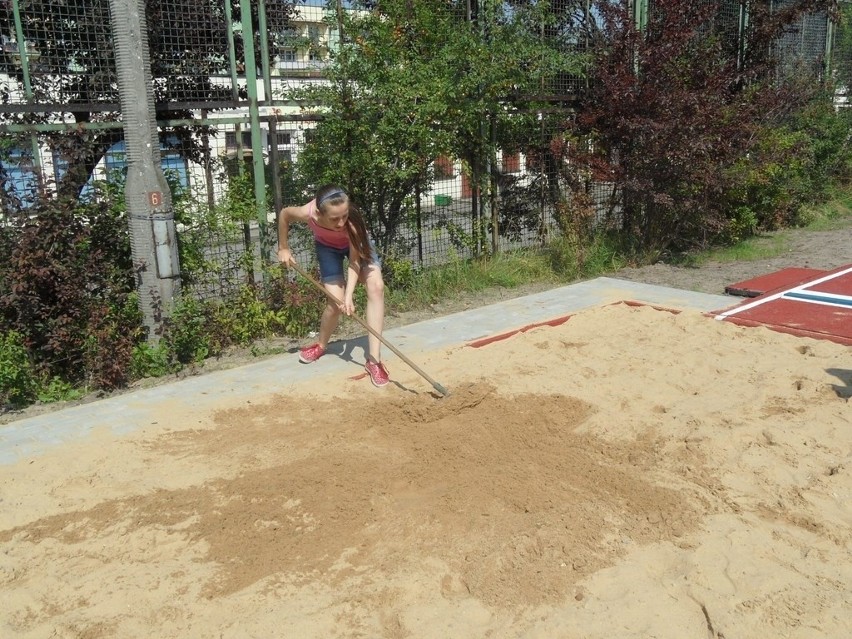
x=289 y=214
x=354 y=272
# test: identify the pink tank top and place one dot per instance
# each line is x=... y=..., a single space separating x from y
x=334 y=239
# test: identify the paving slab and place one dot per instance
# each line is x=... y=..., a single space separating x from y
x=128 y=412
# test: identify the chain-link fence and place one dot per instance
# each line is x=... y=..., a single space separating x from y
x=805 y=45
x=230 y=147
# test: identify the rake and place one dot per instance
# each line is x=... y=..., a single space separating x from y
x=438 y=387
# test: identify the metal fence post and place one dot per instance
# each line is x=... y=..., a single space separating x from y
x=829 y=44
x=28 y=89
x=254 y=118
x=272 y=116
x=149 y=204
x=640 y=14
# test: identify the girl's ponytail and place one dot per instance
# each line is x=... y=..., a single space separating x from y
x=358 y=235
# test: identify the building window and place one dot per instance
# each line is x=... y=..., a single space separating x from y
x=115 y=161
x=315 y=45
x=60 y=165
x=282 y=138
x=18 y=170
x=231 y=140
x=289 y=46
x=171 y=161
x=173 y=164
x=444 y=169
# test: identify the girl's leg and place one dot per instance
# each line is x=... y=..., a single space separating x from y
x=371 y=276
x=331 y=269
x=331 y=314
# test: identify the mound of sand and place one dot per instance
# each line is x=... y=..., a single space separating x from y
x=630 y=473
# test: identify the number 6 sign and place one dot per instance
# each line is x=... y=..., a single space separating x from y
x=155 y=198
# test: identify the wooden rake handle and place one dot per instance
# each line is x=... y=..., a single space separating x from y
x=438 y=387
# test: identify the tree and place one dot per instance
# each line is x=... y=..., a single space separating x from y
x=674 y=107
x=414 y=80
x=73 y=73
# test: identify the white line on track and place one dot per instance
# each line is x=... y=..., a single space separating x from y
x=775 y=296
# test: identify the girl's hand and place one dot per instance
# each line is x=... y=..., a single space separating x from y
x=348 y=305
x=285 y=256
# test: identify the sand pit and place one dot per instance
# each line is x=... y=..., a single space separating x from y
x=630 y=473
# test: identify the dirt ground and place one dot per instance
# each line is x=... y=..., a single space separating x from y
x=806 y=249
x=631 y=473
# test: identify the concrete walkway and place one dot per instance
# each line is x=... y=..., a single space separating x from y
x=128 y=412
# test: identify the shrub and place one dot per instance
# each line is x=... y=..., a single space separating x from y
x=67 y=263
x=58 y=390
x=399 y=272
x=247 y=317
x=297 y=304
x=18 y=378
x=188 y=333
x=113 y=335
x=152 y=360
x=791 y=165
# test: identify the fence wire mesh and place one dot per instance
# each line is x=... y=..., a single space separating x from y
x=63 y=129
x=802 y=46
x=67 y=52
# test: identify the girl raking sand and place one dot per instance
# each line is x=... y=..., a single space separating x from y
x=340 y=232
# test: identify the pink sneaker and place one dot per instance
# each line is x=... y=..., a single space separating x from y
x=311 y=353
x=378 y=373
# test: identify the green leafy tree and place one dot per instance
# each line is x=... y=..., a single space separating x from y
x=413 y=80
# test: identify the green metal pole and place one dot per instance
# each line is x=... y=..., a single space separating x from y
x=254 y=118
x=264 y=49
x=232 y=61
x=28 y=89
x=232 y=55
x=640 y=19
x=238 y=130
x=493 y=184
x=640 y=14
x=22 y=47
x=274 y=166
x=829 y=44
x=743 y=36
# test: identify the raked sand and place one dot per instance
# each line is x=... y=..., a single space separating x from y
x=631 y=473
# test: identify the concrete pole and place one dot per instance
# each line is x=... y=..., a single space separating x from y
x=149 y=203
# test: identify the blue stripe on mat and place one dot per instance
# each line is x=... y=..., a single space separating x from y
x=815 y=297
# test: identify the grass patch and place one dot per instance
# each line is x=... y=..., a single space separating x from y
x=832 y=215
x=506 y=270
x=753 y=248
x=559 y=263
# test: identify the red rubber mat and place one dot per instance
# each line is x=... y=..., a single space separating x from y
x=819 y=307
x=784 y=278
